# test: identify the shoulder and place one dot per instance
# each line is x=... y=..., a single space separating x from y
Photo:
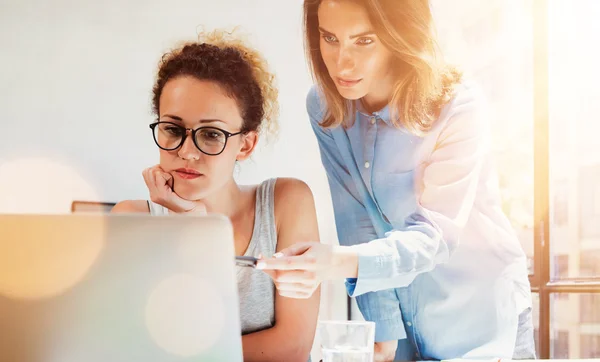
x=292 y=197
x=295 y=212
x=131 y=206
x=315 y=104
x=288 y=189
x=468 y=97
x=467 y=111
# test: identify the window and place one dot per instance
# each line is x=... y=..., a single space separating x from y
x=589 y=310
x=567 y=163
x=536 y=62
x=574 y=325
x=590 y=346
x=493 y=44
x=560 y=344
x=574 y=152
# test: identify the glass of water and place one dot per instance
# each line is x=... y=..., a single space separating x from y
x=347 y=341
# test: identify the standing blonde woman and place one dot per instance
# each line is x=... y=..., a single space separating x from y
x=405 y=142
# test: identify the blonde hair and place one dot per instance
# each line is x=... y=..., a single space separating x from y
x=423 y=85
x=224 y=57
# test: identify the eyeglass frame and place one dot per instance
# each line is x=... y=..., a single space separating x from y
x=193 y=135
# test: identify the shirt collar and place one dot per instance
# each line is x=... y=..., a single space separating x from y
x=383 y=114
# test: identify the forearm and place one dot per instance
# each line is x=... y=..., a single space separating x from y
x=395 y=260
x=274 y=344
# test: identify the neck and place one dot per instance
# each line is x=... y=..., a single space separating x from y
x=227 y=201
x=380 y=96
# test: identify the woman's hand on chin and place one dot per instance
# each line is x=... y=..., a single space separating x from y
x=160 y=185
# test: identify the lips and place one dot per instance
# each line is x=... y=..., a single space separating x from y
x=347 y=83
x=187 y=173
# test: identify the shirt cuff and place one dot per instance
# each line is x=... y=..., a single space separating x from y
x=371 y=269
x=389 y=330
x=359 y=286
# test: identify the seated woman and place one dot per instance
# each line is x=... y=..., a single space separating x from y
x=211 y=99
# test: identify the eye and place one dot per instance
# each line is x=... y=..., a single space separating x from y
x=211 y=135
x=365 y=41
x=171 y=130
x=329 y=38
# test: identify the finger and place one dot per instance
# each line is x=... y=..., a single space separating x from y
x=383 y=354
x=271 y=273
x=170 y=199
x=177 y=203
x=289 y=263
x=295 y=288
x=379 y=356
x=151 y=184
x=382 y=357
x=295 y=295
x=297 y=276
x=147 y=179
x=166 y=179
x=150 y=177
x=161 y=178
x=296 y=249
x=169 y=179
x=159 y=189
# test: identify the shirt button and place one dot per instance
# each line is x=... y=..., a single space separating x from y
x=409 y=324
x=367 y=164
x=373 y=120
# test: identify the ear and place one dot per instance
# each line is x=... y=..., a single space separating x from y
x=249 y=141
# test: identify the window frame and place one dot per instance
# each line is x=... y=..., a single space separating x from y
x=541 y=281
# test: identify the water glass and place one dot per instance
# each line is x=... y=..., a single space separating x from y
x=347 y=341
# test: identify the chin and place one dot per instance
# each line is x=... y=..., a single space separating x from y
x=190 y=192
x=351 y=94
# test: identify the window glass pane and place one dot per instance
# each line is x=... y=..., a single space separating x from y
x=492 y=41
x=535 y=302
x=574 y=98
x=575 y=325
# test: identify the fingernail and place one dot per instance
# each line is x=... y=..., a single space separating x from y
x=261 y=265
x=277 y=255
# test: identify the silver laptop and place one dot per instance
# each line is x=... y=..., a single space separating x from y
x=95 y=287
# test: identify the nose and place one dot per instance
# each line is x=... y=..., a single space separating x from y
x=345 y=60
x=188 y=150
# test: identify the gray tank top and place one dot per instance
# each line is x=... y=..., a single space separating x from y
x=255 y=288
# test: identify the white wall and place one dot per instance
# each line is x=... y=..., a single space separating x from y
x=76 y=79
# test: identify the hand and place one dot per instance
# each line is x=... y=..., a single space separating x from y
x=385 y=351
x=298 y=270
x=160 y=184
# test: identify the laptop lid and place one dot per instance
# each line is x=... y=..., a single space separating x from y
x=94 y=287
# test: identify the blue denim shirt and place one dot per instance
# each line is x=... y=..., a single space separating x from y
x=439 y=263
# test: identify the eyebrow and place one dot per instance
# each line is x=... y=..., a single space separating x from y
x=177 y=118
x=368 y=32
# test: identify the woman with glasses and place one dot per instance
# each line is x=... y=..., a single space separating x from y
x=212 y=99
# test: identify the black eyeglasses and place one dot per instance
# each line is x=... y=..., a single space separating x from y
x=209 y=140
